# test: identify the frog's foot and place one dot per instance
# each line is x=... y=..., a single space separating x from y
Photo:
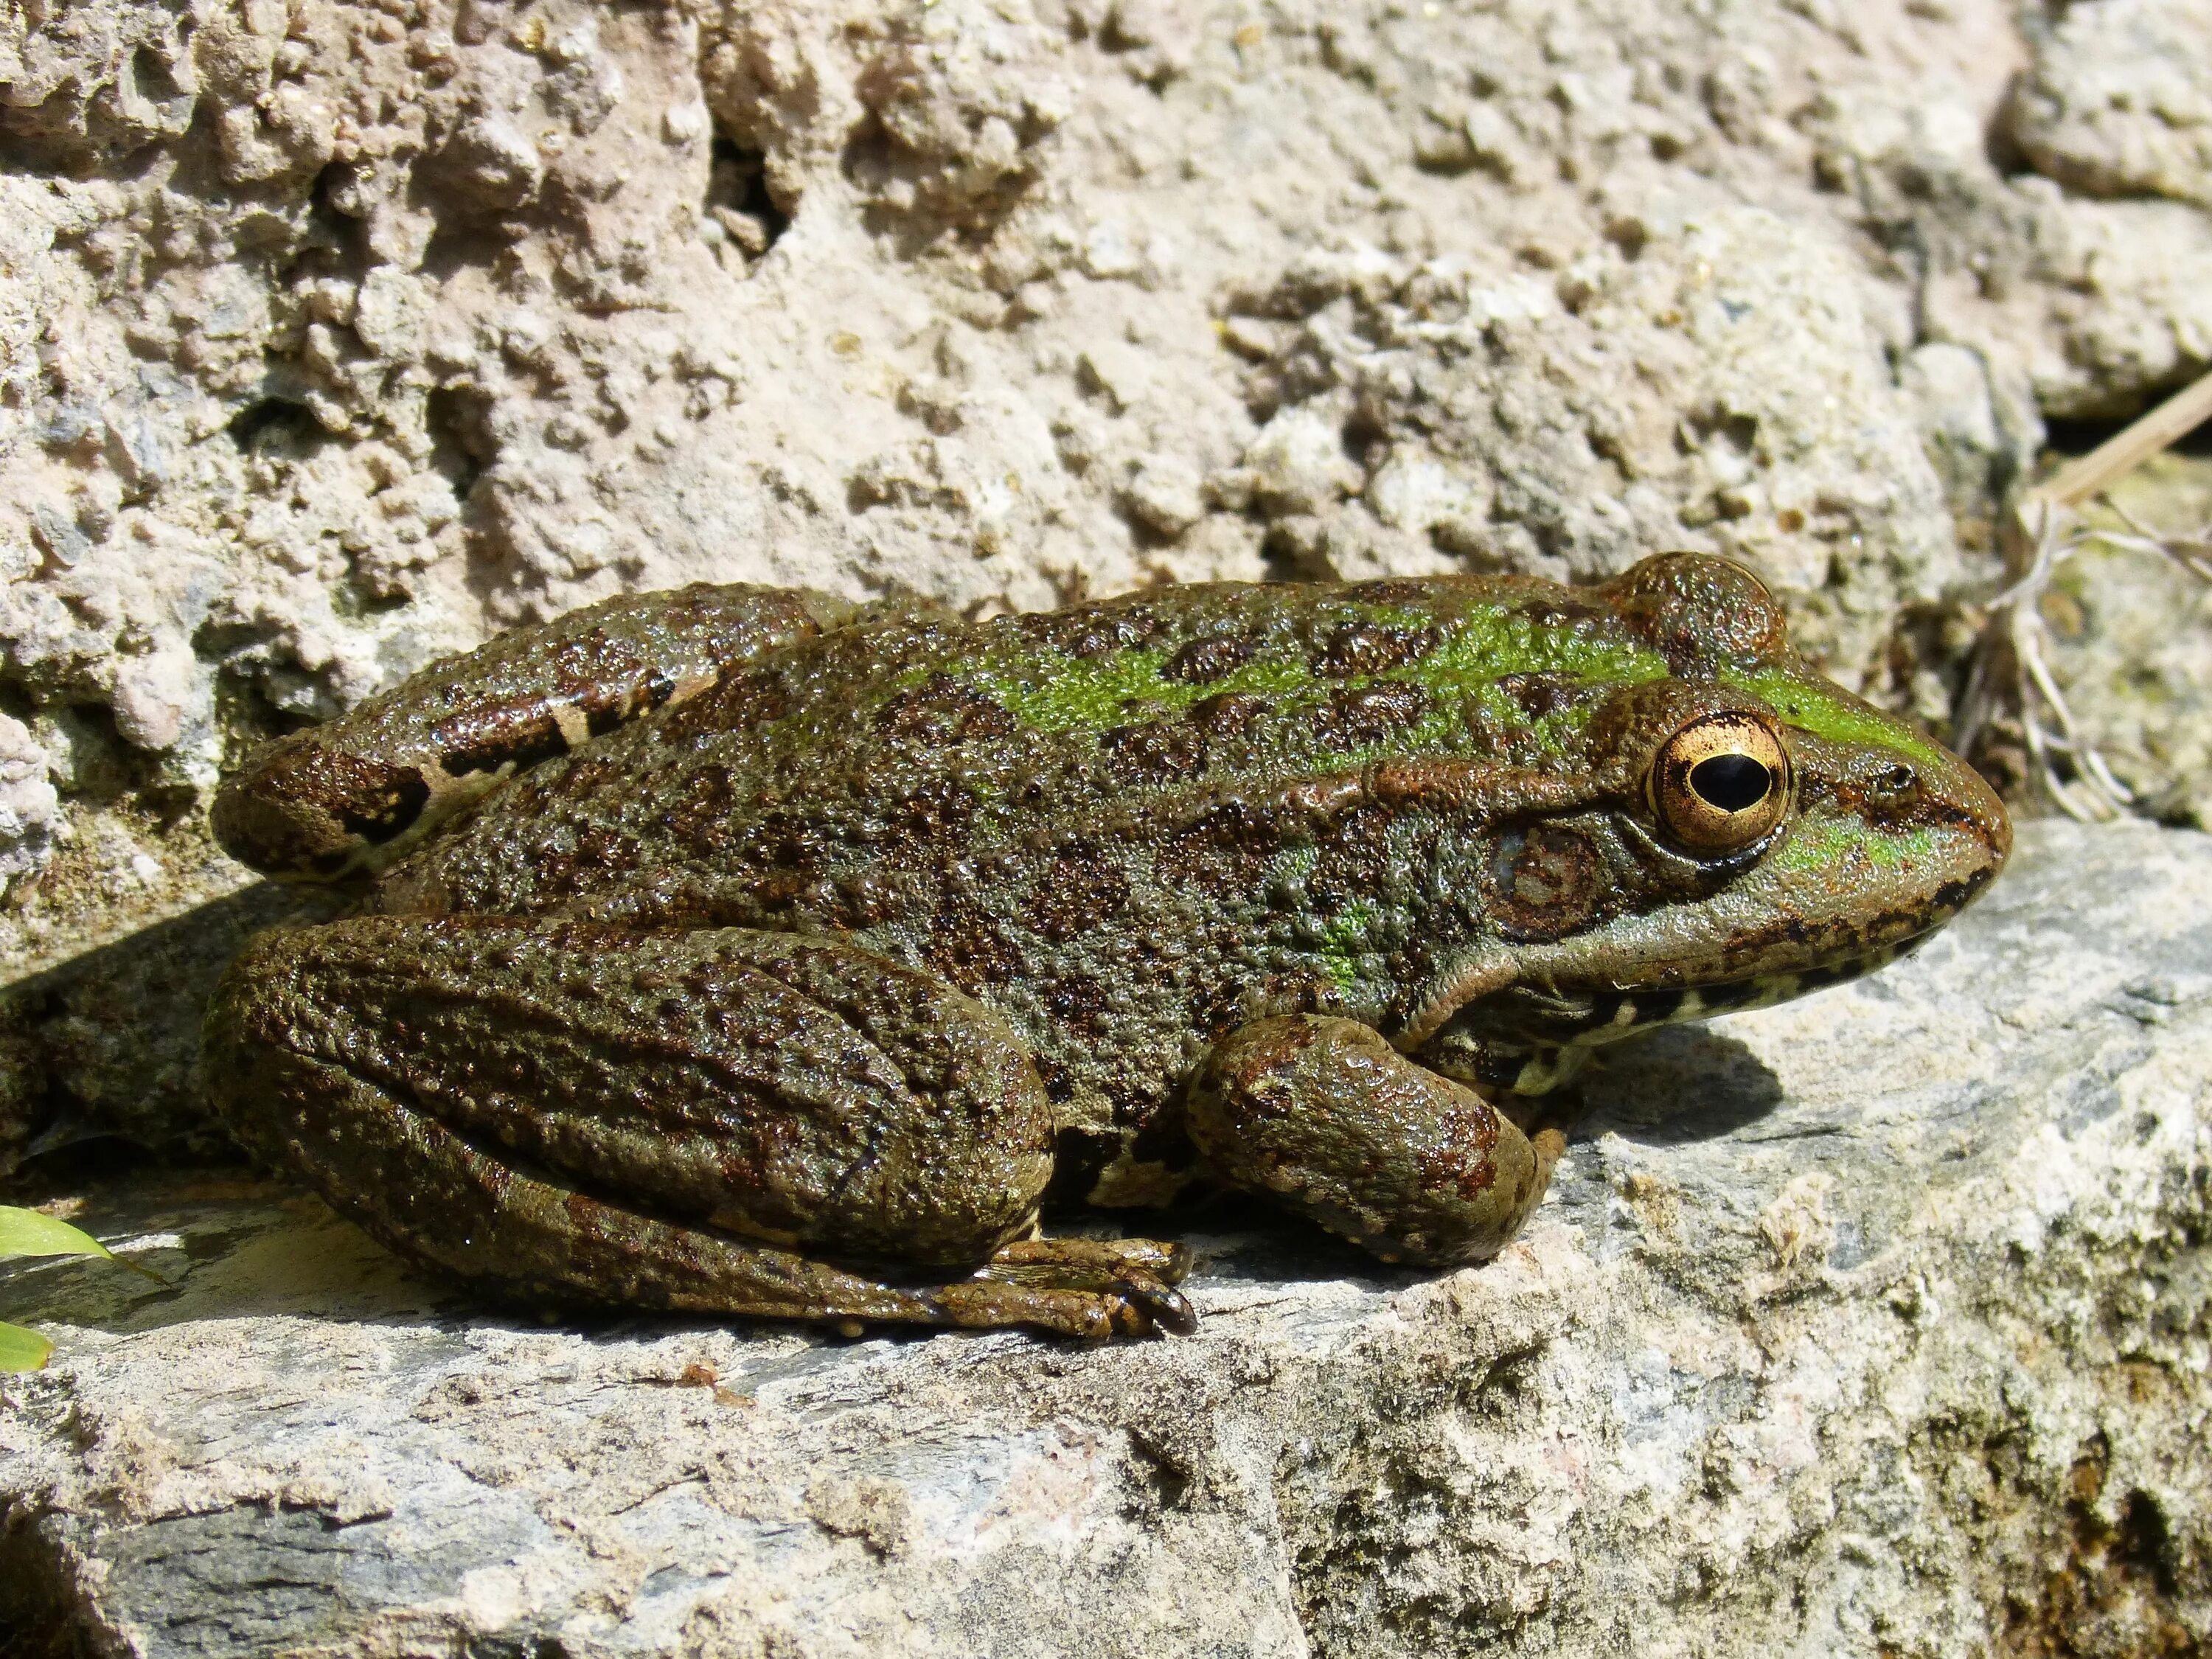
x=1327 y=1116
x=1140 y=1274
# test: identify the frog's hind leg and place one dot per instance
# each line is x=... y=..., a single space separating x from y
x=351 y=794
x=728 y=1121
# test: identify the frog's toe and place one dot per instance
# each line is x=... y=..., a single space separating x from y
x=1092 y=1314
x=1166 y=1306
x=1174 y=1260
x=1131 y=1280
x=1142 y=1272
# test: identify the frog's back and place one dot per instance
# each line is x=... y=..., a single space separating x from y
x=868 y=767
x=1123 y=825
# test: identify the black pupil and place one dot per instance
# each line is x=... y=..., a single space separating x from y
x=1734 y=783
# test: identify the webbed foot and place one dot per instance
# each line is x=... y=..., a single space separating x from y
x=1136 y=1276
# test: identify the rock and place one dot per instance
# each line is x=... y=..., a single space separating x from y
x=1872 y=1325
x=338 y=336
x=2119 y=100
x=28 y=806
x=2130 y=640
x=106 y=1046
x=1632 y=402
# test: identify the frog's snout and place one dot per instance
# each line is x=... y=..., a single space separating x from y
x=1990 y=816
x=1959 y=795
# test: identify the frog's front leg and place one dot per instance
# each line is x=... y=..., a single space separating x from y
x=1326 y=1115
x=727 y=1120
x=352 y=793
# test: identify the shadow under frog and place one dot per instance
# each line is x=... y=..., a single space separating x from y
x=741 y=951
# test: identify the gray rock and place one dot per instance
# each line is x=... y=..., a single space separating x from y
x=2130 y=640
x=28 y=804
x=1874 y=1325
x=2119 y=100
x=337 y=338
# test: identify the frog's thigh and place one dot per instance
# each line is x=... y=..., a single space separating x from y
x=684 y=1120
x=348 y=794
x=1326 y=1115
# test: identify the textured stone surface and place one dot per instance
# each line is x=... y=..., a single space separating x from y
x=1876 y=1325
x=2130 y=634
x=2118 y=101
x=333 y=335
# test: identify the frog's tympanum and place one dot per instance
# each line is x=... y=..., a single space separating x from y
x=741 y=951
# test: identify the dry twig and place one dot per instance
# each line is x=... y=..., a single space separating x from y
x=2043 y=529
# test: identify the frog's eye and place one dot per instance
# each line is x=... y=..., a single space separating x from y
x=1720 y=784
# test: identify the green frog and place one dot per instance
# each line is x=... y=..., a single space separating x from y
x=748 y=952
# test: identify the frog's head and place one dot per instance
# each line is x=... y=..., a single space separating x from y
x=1752 y=832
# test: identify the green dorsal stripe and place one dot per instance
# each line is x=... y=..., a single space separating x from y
x=1050 y=691
x=1812 y=705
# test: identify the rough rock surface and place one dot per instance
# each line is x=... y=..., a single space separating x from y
x=337 y=333
x=2130 y=634
x=2119 y=100
x=1876 y=1325
x=335 y=336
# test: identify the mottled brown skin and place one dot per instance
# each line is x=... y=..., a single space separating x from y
x=795 y=988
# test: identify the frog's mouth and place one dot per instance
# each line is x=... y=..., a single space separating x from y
x=1530 y=1039
x=1842 y=891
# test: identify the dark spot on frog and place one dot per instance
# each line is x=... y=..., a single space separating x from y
x=602 y=679
x=1088 y=633
x=1077 y=1002
x=602 y=715
x=737 y=702
x=1371 y=647
x=942 y=710
x=1458 y=1159
x=1538 y=695
x=1236 y=1002
x=1227 y=714
x=704 y=816
x=1356 y=718
x=501 y=734
x=371 y=798
x=781 y=841
x=1081 y=889
x=1224 y=853
x=1353 y=859
x=936 y=815
x=1204 y=661
x=1059 y=1087
x=966 y=947
x=587 y=850
x=1133 y=1100
x=1157 y=751
x=1545 y=882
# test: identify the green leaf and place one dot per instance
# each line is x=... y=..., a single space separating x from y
x=26 y=1232
x=22 y=1350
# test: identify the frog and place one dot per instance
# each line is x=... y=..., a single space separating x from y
x=750 y=952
